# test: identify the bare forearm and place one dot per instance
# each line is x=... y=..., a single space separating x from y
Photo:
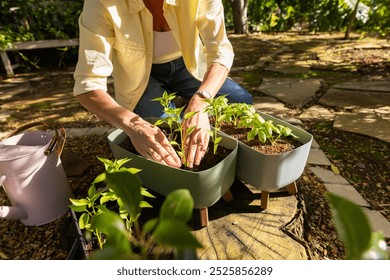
x=147 y=139
x=214 y=78
x=104 y=106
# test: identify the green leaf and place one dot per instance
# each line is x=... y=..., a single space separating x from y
x=190 y=129
x=128 y=187
x=114 y=227
x=102 y=208
x=78 y=208
x=378 y=248
x=94 y=197
x=91 y=190
x=149 y=226
x=99 y=178
x=262 y=137
x=131 y=170
x=178 y=205
x=79 y=202
x=175 y=233
x=145 y=204
x=159 y=122
x=189 y=115
x=84 y=221
x=146 y=193
x=351 y=225
x=110 y=253
x=121 y=162
x=106 y=197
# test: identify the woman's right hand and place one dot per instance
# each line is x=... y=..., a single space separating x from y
x=150 y=142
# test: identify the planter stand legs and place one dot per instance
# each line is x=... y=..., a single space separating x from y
x=264 y=199
x=204 y=212
x=291 y=189
x=228 y=196
x=204 y=217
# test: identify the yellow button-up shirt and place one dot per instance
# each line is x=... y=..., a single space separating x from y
x=116 y=38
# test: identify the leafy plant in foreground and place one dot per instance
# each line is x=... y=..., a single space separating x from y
x=354 y=230
x=95 y=202
x=119 y=233
x=168 y=230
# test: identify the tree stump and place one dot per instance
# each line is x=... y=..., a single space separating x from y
x=242 y=230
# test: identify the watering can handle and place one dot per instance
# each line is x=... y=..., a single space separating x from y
x=57 y=141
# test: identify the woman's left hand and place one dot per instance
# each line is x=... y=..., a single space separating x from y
x=196 y=143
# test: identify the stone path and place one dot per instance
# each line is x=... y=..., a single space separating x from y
x=365 y=108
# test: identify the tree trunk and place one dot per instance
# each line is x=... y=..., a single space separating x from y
x=352 y=19
x=240 y=19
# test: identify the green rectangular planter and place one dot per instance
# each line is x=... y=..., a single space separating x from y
x=206 y=186
x=272 y=172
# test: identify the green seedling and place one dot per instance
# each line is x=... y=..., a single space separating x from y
x=216 y=109
x=234 y=112
x=175 y=124
x=262 y=129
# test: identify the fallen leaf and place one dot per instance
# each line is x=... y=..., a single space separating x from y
x=3 y=256
x=335 y=169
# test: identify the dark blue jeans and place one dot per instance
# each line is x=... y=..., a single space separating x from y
x=174 y=77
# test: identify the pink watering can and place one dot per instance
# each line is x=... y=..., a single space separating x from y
x=32 y=175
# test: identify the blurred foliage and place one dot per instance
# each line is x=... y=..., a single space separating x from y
x=22 y=20
x=29 y=20
x=315 y=15
x=354 y=229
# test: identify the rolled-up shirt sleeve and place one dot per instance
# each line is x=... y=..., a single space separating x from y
x=211 y=25
x=95 y=50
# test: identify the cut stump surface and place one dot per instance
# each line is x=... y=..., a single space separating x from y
x=242 y=230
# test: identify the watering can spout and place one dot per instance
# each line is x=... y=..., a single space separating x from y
x=2 y=179
x=12 y=213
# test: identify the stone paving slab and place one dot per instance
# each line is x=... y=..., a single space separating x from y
x=369 y=124
x=317 y=112
x=294 y=91
x=318 y=157
x=347 y=192
x=378 y=222
x=270 y=106
x=328 y=176
x=381 y=86
x=352 y=98
x=289 y=68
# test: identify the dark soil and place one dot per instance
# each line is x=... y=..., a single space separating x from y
x=280 y=146
x=209 y=160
